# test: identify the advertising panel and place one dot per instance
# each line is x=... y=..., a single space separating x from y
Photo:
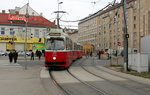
x=40 y=46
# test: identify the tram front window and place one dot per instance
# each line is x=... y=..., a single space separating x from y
x=55 y=43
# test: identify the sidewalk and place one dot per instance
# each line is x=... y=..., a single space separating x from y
x=106 y=63
x=15 y=80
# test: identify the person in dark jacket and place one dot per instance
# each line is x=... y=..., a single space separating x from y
x=10 y=55
x=99 y=54
x=15 y=56
x=39 y=53
x=32 y=55
x=91 y=53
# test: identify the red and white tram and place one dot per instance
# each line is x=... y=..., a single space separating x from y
x=60 y=50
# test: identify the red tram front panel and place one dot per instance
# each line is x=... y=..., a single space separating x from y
x=58 y=58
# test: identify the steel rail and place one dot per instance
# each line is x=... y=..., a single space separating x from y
x=107 y=79
x=57 y=84
x=89 y=85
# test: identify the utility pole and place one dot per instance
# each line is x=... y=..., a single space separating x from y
x=126 y=36
x=25 y=45
x=58 y=26
x=57 y=12
x=13 y=46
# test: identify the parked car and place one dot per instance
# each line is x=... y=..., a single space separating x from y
x=3 y=53
x=22 y=53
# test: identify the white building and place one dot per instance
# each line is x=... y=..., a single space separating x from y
x=13 y=27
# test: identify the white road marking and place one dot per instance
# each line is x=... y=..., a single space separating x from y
x=9 y=65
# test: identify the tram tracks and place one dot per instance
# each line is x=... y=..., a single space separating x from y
x=89 y=84
x=65 y=92
x=123 y=80
x=81 y=82
x=114 y=73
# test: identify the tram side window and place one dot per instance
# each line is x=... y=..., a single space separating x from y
x=69 y=44
x=78 y=47
x=74 y=46
x=71 y=47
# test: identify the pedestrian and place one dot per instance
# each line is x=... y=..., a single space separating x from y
x=15 y=56
x=102 y=52
x=99 y=54
x=39 y=53
x=32 y=55
x=87 y=53
x=10 y=55
x=36 y=52
x=91 y=53
x=122 y=53
x=107 y=55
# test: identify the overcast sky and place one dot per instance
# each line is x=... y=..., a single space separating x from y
x=76 y=9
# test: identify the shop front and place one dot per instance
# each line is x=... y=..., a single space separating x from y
x=8 y=43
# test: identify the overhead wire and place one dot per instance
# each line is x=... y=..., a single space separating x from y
x=112 y=4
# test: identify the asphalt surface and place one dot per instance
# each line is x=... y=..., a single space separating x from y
x=16 y=80
x=35 y=80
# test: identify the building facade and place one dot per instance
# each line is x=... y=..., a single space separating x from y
x=20 y=31
x=88 y=30
x=107 y=26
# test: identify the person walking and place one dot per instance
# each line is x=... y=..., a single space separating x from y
x=39 y=53
x=32 y=55
x=99 y=54
x=10 y=55
x=91 y=53
x=87 y=53
x=15 y=56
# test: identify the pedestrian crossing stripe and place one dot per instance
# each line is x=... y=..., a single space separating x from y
x=10 y=65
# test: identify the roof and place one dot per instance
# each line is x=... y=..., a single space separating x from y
x=32 y=20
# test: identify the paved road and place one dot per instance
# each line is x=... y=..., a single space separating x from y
x=15 y=80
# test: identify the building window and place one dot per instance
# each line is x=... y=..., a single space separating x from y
x=134 y=17
x=11 y=31
x=134 y=42
x=43 y=32
x=135 y=34
x=134 y=26
x=2 y=31
x=36 y=33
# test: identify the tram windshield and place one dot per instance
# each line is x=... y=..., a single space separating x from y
x=55 y=43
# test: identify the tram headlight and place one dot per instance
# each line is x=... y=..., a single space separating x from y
x=54 y=58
